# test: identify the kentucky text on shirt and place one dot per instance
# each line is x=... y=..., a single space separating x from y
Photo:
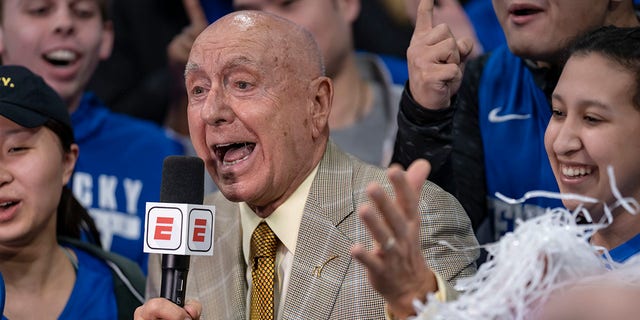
x=105 y=212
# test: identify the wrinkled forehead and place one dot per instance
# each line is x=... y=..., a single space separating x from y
x=244 y=38
x=252 y=25
x=227 y=51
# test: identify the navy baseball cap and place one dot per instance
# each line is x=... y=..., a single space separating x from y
x=27 y=100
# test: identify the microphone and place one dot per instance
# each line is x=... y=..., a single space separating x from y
x=182 y=182
x=179 y=224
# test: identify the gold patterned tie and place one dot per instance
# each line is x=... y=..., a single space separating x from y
x=263 y=246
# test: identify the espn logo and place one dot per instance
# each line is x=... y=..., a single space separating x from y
x=175 y=228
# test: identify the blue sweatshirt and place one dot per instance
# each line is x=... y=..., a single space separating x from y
x=118 y=170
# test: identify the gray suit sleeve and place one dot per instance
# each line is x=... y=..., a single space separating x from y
x=444 y=220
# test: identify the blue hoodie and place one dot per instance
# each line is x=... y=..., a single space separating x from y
x=118 y=170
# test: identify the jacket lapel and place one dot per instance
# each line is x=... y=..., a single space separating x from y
x=220 y=280
x=322 y=255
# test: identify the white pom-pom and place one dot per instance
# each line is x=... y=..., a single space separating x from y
x=541 y=255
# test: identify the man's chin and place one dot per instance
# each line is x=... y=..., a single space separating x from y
x=234 y=192
x=526 y=49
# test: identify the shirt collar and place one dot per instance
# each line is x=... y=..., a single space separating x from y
x=284 y=221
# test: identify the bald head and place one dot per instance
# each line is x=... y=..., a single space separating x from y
x=287 y=40
x=258 y=106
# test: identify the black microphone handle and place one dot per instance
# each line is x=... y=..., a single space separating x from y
x=182 y=182
x=174 y=277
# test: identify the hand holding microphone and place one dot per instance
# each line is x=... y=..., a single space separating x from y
x=179 y=225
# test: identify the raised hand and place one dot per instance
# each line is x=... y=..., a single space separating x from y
x=180 y=46
x=396 y=268
x=436 y=59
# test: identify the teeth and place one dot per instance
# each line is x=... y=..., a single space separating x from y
x=235 y=161
x=576 y=171
x=62 y=55
x=6 y=204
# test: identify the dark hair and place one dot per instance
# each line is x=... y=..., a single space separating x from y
x=64 y=133
x=620 y=45
x=74 y=220
x=105 y=9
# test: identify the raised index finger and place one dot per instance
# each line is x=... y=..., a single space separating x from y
x=424 y=19
x=196 y=13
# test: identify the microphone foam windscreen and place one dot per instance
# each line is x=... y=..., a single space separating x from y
x=182 y=180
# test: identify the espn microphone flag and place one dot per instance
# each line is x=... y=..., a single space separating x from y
x=179 y=225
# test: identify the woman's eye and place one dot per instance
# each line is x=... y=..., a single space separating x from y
x=17 y=149
x=591 y=119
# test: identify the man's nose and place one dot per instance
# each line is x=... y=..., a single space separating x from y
x=217 y=109
x=64 y=22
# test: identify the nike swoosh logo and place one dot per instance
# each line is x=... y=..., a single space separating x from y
x=496 y=118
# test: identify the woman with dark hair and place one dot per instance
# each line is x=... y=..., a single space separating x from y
x=49 y=272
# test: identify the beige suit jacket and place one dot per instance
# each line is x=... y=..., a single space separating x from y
x=329 y=227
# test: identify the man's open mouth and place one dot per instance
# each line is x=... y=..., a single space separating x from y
x=61 y=57
x=232 y=153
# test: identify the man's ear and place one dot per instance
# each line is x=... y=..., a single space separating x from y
x=350 y=9
x=322 y=89
x=106 y=44
x=620 y=12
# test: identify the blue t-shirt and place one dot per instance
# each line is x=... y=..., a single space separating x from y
x=397 y=68
x=486 y=24
x=513 y=116
x=626 y=250
x=93 y=294
x=118 y=170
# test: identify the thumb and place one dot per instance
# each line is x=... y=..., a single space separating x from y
x=194 y=309
x=465 y=47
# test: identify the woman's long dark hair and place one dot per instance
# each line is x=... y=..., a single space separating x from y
x=74 y=220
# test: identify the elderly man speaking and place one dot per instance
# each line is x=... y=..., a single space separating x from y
x=286 y=212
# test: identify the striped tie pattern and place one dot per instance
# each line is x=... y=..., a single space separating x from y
x=263 y=246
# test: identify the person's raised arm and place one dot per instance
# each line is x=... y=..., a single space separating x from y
x=435 y=60
x=177 y=55
x=179 y=48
